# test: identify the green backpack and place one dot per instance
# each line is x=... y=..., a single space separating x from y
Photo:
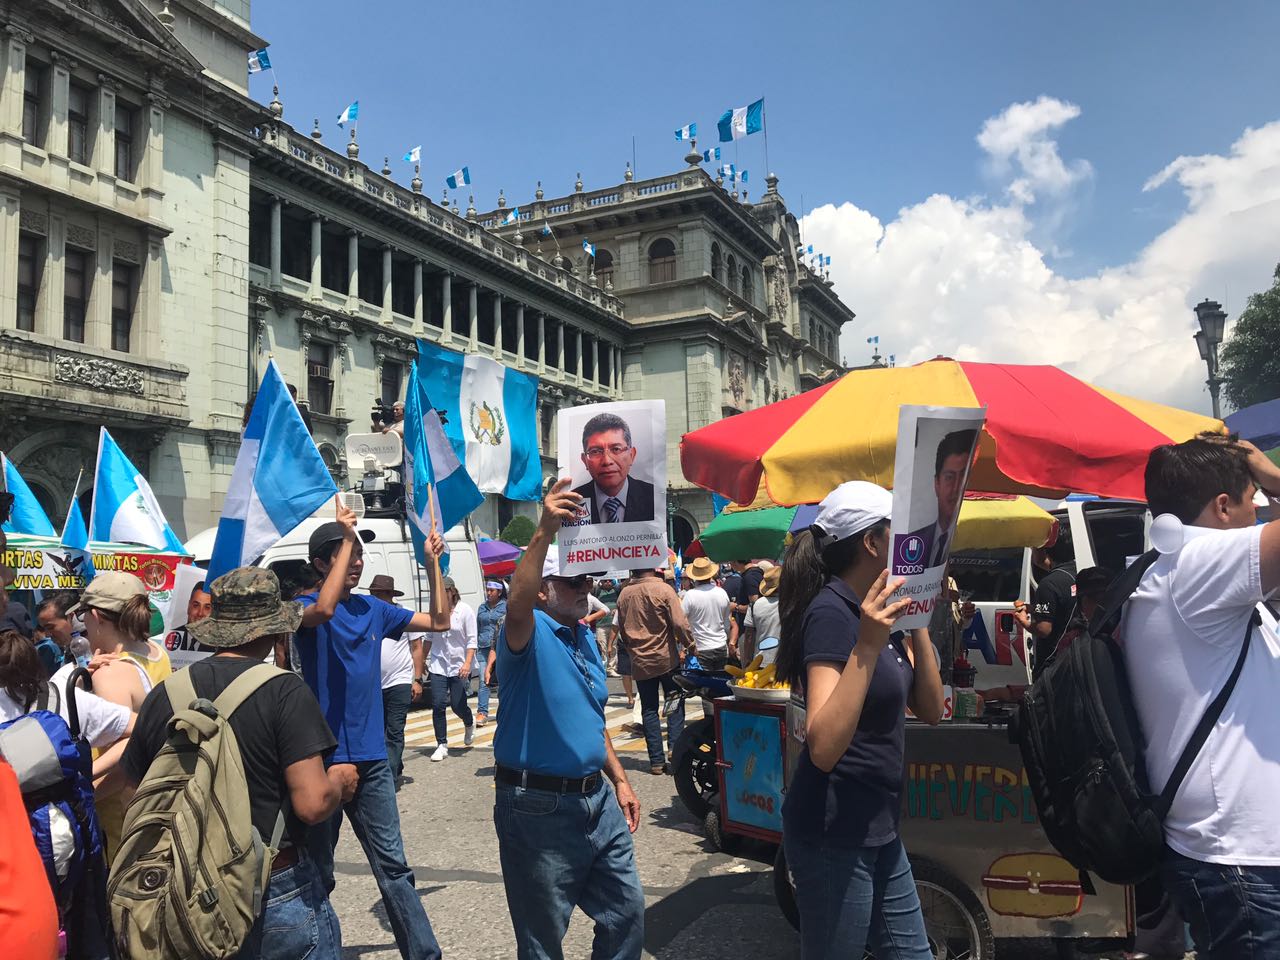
x=191 y=871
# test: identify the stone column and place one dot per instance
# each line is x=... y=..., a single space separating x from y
x=147 y=316
x=417 y=298
x=103 y=158
x=473 y=318
x=150 y=177
x=578 y=350
x=313 y=289
x=97 y=321
x=542 y=342
x=560 y=345
x=10 y=218
x=13 y=56
x=59 y=94
x=520 y=335
x=599 y=365
x=386 y=284
x=446 y=294
x=498 y=345
x=353 y=271
x=276 y=205
x=49 y=319
x=617 y=369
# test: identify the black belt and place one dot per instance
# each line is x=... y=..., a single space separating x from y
x=540 y=781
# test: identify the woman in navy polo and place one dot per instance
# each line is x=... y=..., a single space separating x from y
x=853 y=883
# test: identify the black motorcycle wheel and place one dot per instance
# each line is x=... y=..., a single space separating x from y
x=695 y=772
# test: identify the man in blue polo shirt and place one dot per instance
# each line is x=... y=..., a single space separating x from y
x=340 y=644
x=564 y=837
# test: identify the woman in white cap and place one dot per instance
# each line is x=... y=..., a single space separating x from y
x=838 y=649
x=488 y=625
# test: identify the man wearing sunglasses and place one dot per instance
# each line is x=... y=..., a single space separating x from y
x=612 y=495
x=564 y=834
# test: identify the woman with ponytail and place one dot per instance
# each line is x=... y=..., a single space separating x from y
x=839 y=651
x=117 y=621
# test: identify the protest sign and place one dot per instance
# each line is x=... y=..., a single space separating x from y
x=615 y=456
x=46 y=564
x=183 y=649
x=936 y=448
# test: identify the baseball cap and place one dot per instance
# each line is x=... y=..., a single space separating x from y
x=109 y=591
x=551 y=565
x=246 y=605
x=326 y=534
x=851 y=508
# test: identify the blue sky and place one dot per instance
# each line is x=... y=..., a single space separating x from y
x=872 y=109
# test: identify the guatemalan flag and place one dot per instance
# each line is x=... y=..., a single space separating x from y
x=687 y=133
x=259 y=61
x=589 y=247
x=279 y=480
x=351 y=114
x=712 y=154
x=434 y=480
x=511 y=217
x=741 y=121
x=413 y=154
x=75 y=538
x=26 y=516
x=458 y=178
x=124 y=508
x=490 y=418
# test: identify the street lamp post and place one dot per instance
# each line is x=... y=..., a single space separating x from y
x=1212 y=320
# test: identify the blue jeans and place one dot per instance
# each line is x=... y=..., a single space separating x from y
x=446 y=692
x=376 y=822
x=560 y=851
x=395 y=710
x=853 y=899
x=1234 y=912
x=297 y=922
x=650 y=714
x=482 y=688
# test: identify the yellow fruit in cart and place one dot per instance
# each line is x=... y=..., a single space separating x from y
x=757 y=663
x=733 y=671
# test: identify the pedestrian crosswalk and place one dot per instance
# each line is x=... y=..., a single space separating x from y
x=418 y=731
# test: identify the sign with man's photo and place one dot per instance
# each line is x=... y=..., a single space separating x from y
x=936 y=448
x=615 y=457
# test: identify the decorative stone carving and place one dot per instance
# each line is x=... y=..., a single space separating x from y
x=82 y=236
x=126 y=251
x=781 y=295
x=34 y=222
x=100 y=374
x=18 y=33
x=737 y=379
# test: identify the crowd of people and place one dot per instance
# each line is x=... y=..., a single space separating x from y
x=320 y=734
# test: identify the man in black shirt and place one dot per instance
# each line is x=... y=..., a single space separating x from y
x=748 y=592
x=1052 y=606
x=283 y=739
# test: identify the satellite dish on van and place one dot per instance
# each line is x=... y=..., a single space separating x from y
x=385 y=448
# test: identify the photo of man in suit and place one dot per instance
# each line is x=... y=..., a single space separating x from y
x=612 y=494
x=949 y=468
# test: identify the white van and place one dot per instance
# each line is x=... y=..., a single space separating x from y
x=1091 y=532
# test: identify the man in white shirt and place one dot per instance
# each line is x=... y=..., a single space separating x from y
x=1182 y=634
x=715 y=631
x=449 y=654
x=763 y=619
x=402 y=664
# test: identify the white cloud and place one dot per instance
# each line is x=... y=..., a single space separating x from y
x=966 y=278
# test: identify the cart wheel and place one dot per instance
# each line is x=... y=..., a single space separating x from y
x=695 y=773
x=957 y=924
x=721 y=841
x=784 y=889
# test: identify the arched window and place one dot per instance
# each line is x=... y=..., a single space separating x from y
x=604 y=267
x=733 y=273
x=746 y=284
x=662 y=261
x=717 y=263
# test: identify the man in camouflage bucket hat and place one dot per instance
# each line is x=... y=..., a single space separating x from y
x=284 y=739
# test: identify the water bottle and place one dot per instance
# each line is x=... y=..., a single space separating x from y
x=79 y=649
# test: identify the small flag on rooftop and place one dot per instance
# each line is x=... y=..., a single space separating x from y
x=546 y=229
x=687 y=133
x=512 y=216
x=351 y=114
x=458 y=178
x=590 y=247
x=875 y=339
x=712 y=154
x=728 y=170
x=809 y=249
x=743 y=176
x=741 y=122
x=259 y=61
x=826 y=260
x=414 y=155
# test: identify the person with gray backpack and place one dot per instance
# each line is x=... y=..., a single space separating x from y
x=226 y=775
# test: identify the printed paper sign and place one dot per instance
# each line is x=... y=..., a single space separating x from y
x=936 y=448
x=190 y=601
x=615 y=457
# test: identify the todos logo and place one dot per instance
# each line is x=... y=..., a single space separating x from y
x=911 y=550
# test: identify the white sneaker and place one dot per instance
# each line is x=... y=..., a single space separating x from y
x=468 y=734
x=442 y=751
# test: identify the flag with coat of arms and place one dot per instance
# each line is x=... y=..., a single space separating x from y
x=26 y=515
x=124 y=508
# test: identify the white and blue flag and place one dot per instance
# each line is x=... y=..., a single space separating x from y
x=687 y=133
x=875 y=339
x=729 y=172
x=589 y=247
x=712 y=154
x=124 y=508
x=458 y=178
x=351 y=114
x=26 y=515
x=546 y=229
x=490 y=418
x=259 y=61
x=75 y=538
x=414 y=155
x=279 y=480
x=827 y=259
x=743 y=176
x=511 y=217
x=810 y=249
x=434 y=481
x=741 y=121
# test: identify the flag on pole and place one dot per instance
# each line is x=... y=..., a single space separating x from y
x=490 y=419
x=741 y=121
x=124 y=508
x=546 y=229
x=278 y=481
x=590 y=247
x=875 y=339
x=809 y=249
x=259 y=61
x=26 y=515
x=75 y=537
x=458 y=178
x=511 y=217
x=712 y=154
x=728 y=171
x=687 y=133
x=414 y=155
x=826 y=260
x=743 y=176
x=351 y=114
x=431 y=462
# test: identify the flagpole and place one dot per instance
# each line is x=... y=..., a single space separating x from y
x=764 y=128
x=633 y=156
x=434 y=574
x=74 y=490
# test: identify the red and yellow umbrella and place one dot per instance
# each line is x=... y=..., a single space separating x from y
x=1047 y=433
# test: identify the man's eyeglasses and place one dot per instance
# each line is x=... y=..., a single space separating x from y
x=614 y=450
x=581 y=580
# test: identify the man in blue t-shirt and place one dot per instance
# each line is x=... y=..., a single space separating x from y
x=340 y=644
x=564 y=837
